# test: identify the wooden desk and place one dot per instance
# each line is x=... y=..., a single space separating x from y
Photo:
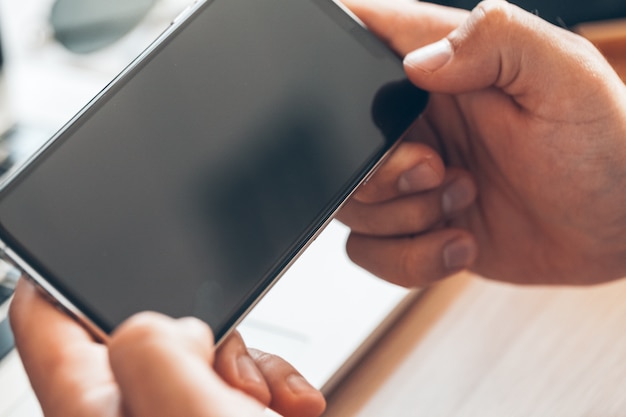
x=472 y=347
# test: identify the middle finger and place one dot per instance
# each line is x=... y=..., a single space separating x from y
x=414 y=213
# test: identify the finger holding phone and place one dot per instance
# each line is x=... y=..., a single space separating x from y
x=152 y=366
x=538 y=117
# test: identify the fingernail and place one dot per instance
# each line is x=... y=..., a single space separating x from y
x=459 y=254
x=418 y=178
x=247 y=370
x=430 y=57
x=297 y=384
x=457 y=196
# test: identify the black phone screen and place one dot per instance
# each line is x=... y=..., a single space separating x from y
x=192 y=181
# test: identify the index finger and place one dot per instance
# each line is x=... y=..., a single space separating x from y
x=412 y=167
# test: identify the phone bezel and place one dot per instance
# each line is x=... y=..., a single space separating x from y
x=19 y=256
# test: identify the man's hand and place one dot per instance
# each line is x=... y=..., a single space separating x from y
x=153 y=366
x=537 y=117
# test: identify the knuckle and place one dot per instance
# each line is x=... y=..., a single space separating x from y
x=426 y=211
x=417 y=266
x=370 y=225
x=264 y=359
x=409 y=273
x=142 y=328
x=361 y=217
x=494 y=12
x=495 y=18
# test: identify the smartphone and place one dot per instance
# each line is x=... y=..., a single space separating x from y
x=193 y=180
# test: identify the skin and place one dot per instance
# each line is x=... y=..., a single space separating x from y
x=537 y=118
x=152 y=366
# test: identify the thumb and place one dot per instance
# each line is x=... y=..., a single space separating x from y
x=163 y=369
x=501 y=45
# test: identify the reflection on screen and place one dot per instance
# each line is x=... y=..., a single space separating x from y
x=195 y=179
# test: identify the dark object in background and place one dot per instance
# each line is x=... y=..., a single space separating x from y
x=6 y=338
x=8 y=279
x=85 y=26
x=562 y=12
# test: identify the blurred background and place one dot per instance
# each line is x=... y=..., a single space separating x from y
x=567 y=13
